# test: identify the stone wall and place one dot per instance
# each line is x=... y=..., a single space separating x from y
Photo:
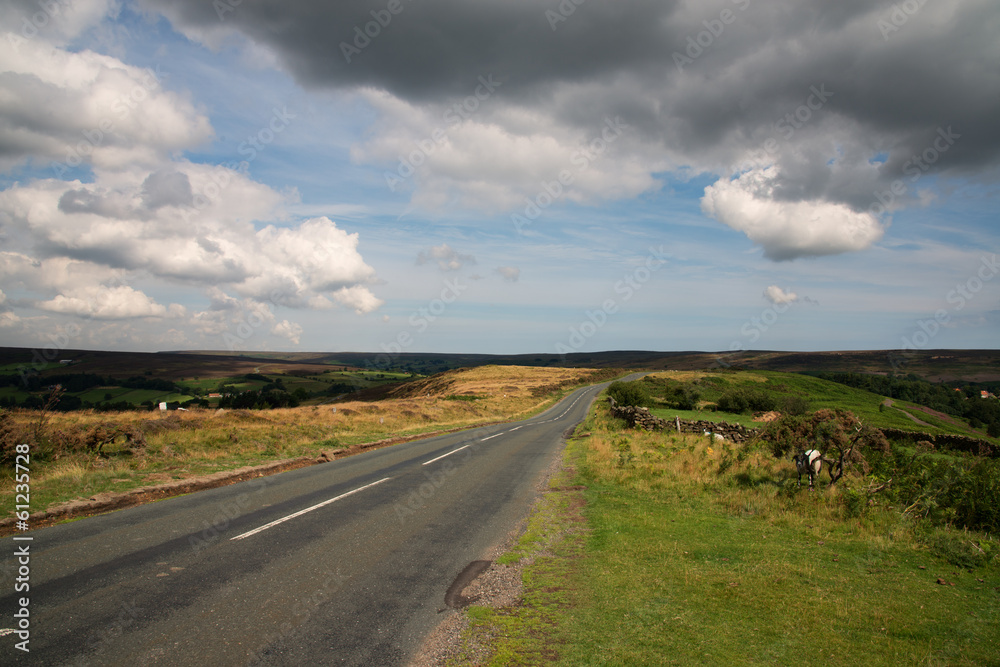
x=641 y=418
x=961 y=443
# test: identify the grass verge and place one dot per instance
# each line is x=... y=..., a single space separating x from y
x=691 y=556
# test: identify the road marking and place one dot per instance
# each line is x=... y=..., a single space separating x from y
x=497 y=435
x=443 y=455
x=308 y=509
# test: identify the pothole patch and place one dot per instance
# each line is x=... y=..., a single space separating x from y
x=453 y=597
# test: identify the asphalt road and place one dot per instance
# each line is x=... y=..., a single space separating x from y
x=343 y=563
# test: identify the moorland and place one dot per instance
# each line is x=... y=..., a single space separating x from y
x=648 y=543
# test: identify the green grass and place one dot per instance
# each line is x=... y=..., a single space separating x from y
x=689 y=555
x=12 y=391
x=705 y=415
x=673 y=576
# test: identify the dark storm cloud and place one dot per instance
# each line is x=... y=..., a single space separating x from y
x=437 y=47
x=703 y=82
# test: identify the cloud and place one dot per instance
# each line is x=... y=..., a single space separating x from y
x=777 y=296
x=747 y=98
x=122 y=223
x=82 y=249
x=98 y=110
x=510 y=273
x=108 y=303
x=788 y=230
x=358 y=298
x=446 y=257
x=142 y=218
x=57 y=22
x=7 y=318
x=288 y=330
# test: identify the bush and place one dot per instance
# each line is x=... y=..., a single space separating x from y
x=685 y=398
x=794 y=405
x=629 y=393
x=739 y=401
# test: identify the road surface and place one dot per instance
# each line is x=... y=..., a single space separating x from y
x=343 y=563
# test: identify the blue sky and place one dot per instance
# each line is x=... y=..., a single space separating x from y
x=678 y=225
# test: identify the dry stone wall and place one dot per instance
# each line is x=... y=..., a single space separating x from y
x=643 y=419
x=962 y=443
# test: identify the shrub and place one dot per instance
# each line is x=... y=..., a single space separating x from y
x=629 y=393
x=11 y=435
x=794 y=405
x=739 y=401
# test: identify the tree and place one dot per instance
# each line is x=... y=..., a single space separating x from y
x=839 y=436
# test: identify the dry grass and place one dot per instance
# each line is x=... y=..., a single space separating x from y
x=188 y=443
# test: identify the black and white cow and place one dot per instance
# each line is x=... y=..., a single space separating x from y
x=808 y=463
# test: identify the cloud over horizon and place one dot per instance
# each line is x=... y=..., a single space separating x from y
x=172 y=173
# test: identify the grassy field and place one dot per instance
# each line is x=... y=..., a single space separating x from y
x=195 y=442
x=320 y=383
x=655 y=549
x=818 y=394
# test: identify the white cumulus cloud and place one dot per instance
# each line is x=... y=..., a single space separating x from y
x=98 y=110
x=788 y=229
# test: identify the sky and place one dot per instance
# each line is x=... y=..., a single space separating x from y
x=499 y=176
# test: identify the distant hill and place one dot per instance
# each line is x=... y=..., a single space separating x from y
x=933 y=365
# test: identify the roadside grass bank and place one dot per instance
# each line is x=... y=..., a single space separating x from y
x=85 y=454
x=694 y=554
